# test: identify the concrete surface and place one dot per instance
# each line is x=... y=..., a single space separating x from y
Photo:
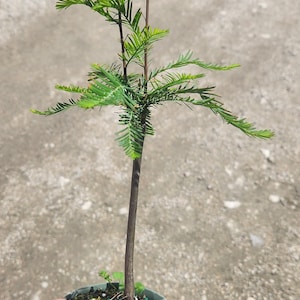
x=219 y=212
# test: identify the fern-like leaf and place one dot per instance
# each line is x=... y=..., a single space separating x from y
x=63 y=4
x=137 y=126
x=61 y=106
x=218 y=108
x=138 y=41
x=131 y=138
x=185 y=60
x=128 y=19
x=109 y=89
x=208 y=100
x=71 y=89
x=171 y=79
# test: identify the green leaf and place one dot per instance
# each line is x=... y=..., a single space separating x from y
x=99 y=94
x=126 y=11
x=115 y=11
x=71 y=89
x=136 y=20
x=107 y=8
x=131 y=137
x=138 y=41
x=136 y=126
x=63 y=4
x=105 y=275
x=245 y=126
x=119 y=276
x=111 y=9
x=139 y=288
x=171 y=79
x=207 y=99
x=61 y=106
x=108 y=89
x=185 y=60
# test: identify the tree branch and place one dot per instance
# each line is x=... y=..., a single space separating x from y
x=122 y=47
x=146 y=51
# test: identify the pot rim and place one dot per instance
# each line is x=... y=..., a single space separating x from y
x=149 y=293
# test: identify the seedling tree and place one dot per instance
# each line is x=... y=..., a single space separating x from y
x=136 y=93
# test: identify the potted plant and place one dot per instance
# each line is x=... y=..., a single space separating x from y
x=135 y=94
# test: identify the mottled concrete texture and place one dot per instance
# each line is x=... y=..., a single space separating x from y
x=219 y=212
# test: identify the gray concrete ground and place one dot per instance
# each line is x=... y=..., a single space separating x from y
x=219 y=212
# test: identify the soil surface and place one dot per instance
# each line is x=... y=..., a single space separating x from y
x=219 y=212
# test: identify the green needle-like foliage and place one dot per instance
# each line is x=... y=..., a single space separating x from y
x=134 y=93
x=186 y=60
x=138 y=41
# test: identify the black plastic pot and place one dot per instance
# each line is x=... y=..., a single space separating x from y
x=151 y=295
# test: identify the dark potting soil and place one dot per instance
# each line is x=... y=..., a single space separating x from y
x=111 y=292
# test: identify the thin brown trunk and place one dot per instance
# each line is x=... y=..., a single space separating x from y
x=135 y=179
x=129 y=255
